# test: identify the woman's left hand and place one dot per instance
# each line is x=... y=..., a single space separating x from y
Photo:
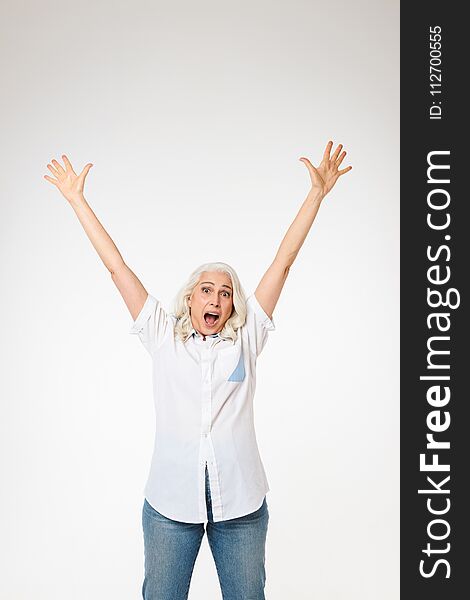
x=326 y=174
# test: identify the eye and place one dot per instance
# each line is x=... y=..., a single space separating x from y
x=205 y=288
x=227 y=294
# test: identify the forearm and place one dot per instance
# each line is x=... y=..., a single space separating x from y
x=298 y=230
x=98 y=236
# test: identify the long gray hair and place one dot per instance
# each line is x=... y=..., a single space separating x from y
x=181 y=309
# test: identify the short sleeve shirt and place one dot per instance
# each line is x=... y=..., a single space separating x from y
x=203 y=393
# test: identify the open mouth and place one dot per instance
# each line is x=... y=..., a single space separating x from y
x=211 y=318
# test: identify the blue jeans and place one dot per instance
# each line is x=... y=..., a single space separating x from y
x=237 y=545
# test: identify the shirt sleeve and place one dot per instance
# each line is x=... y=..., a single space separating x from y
x=257 y=324
x=151 y=324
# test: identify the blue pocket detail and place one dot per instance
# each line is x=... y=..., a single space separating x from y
x=239 y=373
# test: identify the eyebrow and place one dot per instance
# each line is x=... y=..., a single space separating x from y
x=227 y=286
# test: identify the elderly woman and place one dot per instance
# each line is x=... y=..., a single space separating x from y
x=206 y=468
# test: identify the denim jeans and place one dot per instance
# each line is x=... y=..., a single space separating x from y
x=237 y=546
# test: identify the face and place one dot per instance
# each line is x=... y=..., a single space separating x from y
x=212 y=294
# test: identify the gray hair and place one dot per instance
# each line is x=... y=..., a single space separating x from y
x=181 y=309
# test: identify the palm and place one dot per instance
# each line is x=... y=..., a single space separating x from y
x=65 y=179
x=327 y=173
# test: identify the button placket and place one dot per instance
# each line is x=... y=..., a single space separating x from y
x=206 y=418
x=206 y=391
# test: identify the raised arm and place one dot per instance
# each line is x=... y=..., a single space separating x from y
x=323 y=179
x=71 y=187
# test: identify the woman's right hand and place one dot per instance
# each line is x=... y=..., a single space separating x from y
x=66 y=180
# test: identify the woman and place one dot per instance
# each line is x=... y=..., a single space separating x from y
x=206 y=466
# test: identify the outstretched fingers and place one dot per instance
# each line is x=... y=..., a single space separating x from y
x=53 y=170
x=52 y=180
x=341 y=158
x=58 y=166
x=326 y=154
x=336 y=152
x=307 y=163
x=343 y=171
x=85 y=170
x=67 y=164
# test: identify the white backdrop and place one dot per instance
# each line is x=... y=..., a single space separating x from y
x=195 y=116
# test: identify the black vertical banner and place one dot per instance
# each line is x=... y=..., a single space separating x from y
x=435 y=236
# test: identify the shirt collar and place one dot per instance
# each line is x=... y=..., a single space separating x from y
x=197 y=334
x=193 y=332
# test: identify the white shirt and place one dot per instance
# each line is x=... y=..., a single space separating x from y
x=203 y=395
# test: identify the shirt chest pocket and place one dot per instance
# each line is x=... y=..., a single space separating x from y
x=232 y=365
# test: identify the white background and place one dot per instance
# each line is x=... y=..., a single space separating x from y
x=194 y=115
